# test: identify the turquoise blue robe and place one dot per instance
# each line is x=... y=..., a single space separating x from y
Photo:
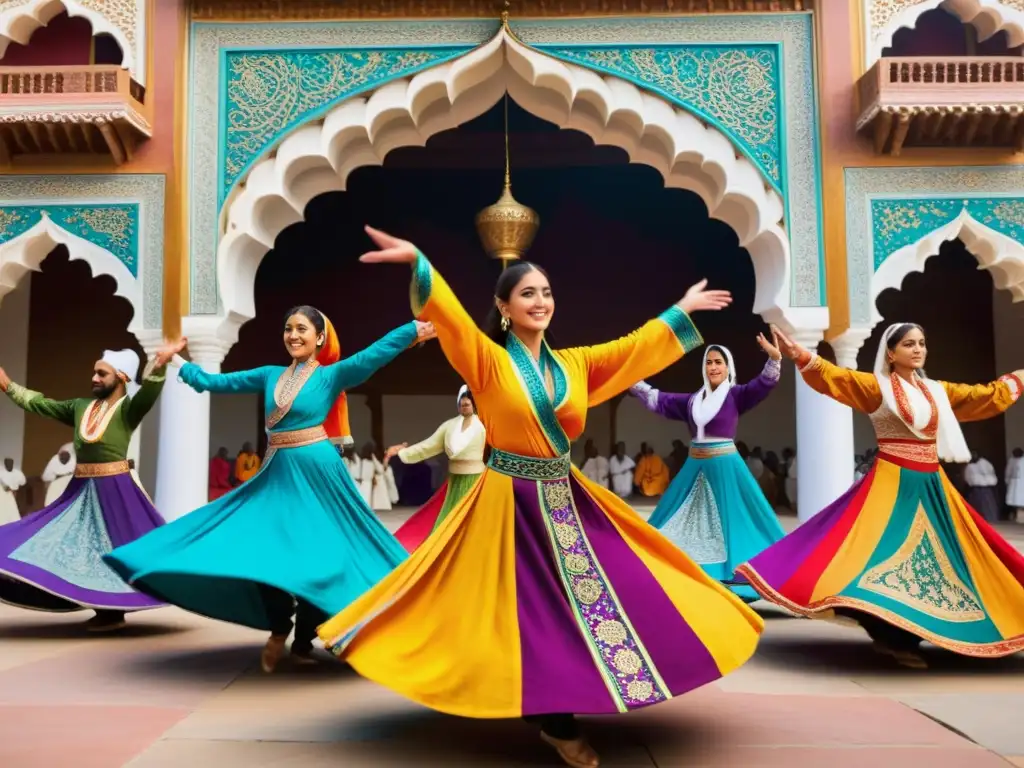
x=300 y=524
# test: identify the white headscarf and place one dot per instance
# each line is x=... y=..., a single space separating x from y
x=462 y=391
x=950 y=440
x=126 y=363
x=706 y=404
x=458 y=438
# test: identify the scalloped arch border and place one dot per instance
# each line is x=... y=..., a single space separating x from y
x=792 y=32
x=18 y=22
x=994 y=251
x=987 y=16
x=25 y=252
x=318 y=158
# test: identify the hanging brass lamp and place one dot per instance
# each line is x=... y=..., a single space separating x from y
x=507 y=227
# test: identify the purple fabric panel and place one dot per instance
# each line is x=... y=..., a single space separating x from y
x=671 y=405
x=678 y=654
x=785 y=557
x=753 y=393
x=127 y=514
x=559 y=675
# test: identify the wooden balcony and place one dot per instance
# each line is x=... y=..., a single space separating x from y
x=92 y=110
x=956 y=101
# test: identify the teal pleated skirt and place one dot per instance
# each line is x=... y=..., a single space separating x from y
x=715 y=512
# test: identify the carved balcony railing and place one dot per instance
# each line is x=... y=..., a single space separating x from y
x=951 y=101
x=71 y=110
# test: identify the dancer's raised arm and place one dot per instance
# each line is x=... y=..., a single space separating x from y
x=614 y=366
x=354 y=370
x=35 y=402
x=976 y=402
x=238 y=382
x=142 y=402
x=469 y=351
x=855 y=389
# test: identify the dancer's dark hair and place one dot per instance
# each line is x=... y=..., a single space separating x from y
x=507 y=281
x=467 y=395
x=315 y=316
x=900 y=333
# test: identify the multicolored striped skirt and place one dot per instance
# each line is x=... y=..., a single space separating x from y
x=902 y=545
x=542 y=593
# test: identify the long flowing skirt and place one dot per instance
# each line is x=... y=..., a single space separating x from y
x=537 y=597
x=903 y=546
x=425 y=521
x=299 y=525
x=52 y=560
x=716 y=513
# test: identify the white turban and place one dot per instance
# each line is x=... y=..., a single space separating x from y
x=458 y=400
x=126 y=363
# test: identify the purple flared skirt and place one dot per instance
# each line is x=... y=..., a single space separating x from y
x=52 y=560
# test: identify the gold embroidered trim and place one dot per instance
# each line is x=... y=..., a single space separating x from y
x=922 y=451
x=95 y=433
x=287 y=389
x=296 y=438
x=906 y=412
x=712 y=450
x=920 y=575
x=106 y=469
x=825 y=609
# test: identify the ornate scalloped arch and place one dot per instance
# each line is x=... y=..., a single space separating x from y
x=886 y=17
x=319 y=157
x=997 y=252
x=25 y=252
x=124 y=20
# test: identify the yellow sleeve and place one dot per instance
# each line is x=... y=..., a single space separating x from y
x=617 y=365
x=468 y=350
x=974 y=402
x=423 y=450
x=856 y=389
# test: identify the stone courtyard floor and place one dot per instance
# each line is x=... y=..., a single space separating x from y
x=179 y=691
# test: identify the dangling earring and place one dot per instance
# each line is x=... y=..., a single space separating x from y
x=505 y=323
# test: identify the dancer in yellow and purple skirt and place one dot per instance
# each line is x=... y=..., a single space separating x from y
x=579 y=606
x=902 y=553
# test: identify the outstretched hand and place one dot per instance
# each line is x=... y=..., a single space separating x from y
x=393 y=450
x=5 y=380
x=698 y=298
x=425 y=332
x=392 y=250
x=771 y=348
x=167 y=352
x=787 y=346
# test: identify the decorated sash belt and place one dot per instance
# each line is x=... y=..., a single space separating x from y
x=711 y=450
x=529 y=467
x=106 y=469
x=296 y=438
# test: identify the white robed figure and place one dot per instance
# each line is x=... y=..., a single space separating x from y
x=621 y=467
x=384 y=494
x=11 y=480
x=1015 y=481
x=58 y=473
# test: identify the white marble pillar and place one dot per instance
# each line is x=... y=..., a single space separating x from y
x=14 y=317
x=824 y=444
x=183 y=461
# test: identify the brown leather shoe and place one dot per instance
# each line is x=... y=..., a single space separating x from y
x=272 y=652
x=574 y=752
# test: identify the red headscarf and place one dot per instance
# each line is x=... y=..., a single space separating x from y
x=336 y=423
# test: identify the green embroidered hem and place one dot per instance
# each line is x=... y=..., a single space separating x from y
x=529 y=467
x=419 y=290
x=682 y=326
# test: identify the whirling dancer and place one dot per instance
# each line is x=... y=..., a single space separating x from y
x=588 y=609
x=52 y=559
x=296 y=531
x=58 y=473
x=11 y=480
x=714 y=510
x=463 y=439
x=901 y=552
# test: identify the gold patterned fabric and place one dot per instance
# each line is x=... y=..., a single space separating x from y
x=296 y=438
x=108 y=469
